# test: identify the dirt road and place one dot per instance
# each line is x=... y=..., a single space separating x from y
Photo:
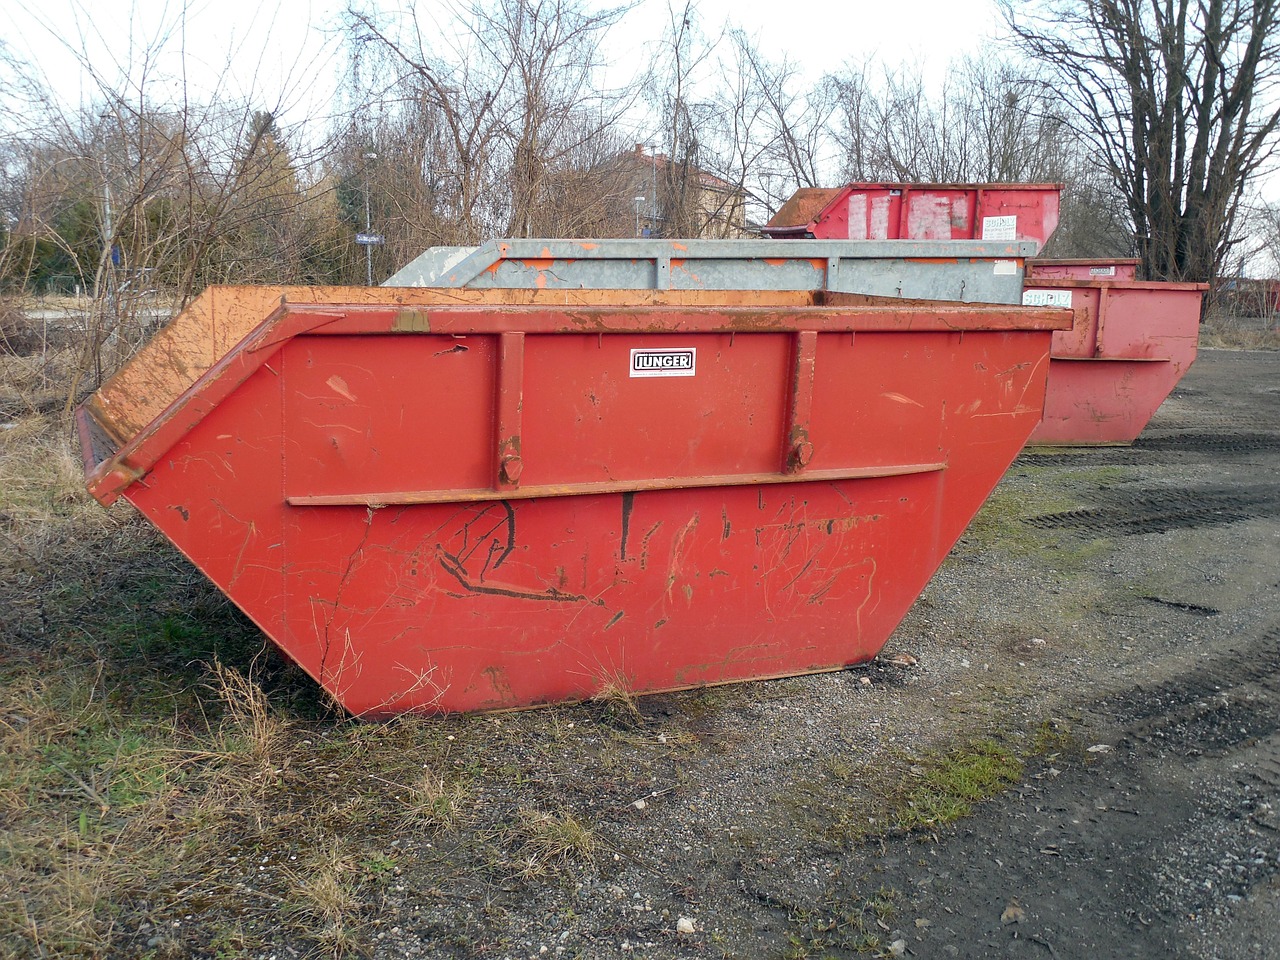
x=1166 y=844
x=1077 y=754
x=1105 y=641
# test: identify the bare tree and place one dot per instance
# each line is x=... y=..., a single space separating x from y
x=500 y=111
x=1180 y=102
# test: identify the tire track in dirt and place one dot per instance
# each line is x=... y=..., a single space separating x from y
x=1159 y=510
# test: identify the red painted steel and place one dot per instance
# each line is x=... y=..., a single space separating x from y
x=1122 y=268
x=1131 y=344
x=444 y=506
x=909 y=211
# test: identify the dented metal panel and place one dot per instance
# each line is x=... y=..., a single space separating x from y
x=441 y=500
x=964 y=272
x=1130 y=345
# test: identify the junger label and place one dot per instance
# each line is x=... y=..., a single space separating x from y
x=674 y=362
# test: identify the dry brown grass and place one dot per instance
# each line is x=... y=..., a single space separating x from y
x=551 y=841
x=1235 y=333
x=617 y=702
x=248 y=724
x=325 y=898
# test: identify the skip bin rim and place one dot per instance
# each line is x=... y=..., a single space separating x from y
x=493 y=312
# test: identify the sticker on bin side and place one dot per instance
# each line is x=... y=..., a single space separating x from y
x=1005 y=268
x=1102 y=271
x=1000 y=228
x=1046 y=298
x=668 y=362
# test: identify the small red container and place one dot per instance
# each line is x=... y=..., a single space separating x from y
x=912 y=211
x=1132 y=342
x=1125 y=268
x=448 y=500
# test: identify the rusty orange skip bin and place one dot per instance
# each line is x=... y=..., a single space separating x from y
x=1132 y=342
x=449 y=500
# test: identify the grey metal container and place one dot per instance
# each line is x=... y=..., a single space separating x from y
x=965 y=271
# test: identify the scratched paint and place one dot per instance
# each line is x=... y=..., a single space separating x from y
x=681 y=573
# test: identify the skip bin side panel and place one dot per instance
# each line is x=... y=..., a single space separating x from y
x=1151 y=322
x=388 y=413
x=506 y=604
x=217 y=496
x=1102 y=401
x=499 y=603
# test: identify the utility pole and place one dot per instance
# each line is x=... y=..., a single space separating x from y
x=368 y=226
x=653 y=214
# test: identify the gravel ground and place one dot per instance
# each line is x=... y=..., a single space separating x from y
x=1094 y=672
x=1112 y=617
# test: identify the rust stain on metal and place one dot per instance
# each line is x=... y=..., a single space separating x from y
x=804 y=206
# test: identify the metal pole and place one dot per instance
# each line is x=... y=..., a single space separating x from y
x=368 y=225
x=653 y=218
x=108 y=231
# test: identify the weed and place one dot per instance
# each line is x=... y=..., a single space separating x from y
x=437 y=804
x=325 y=899
x=945 y=788
x=551 y=841
x=248 y=722
x=616 y=702
x=838 y=925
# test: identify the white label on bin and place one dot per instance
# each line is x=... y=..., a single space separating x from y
x=1102 y=271
x=670 y=362
x=1005 y=268
x=1046 y=298
x=1000 y=228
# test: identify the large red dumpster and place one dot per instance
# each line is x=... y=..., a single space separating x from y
x=997 y=212
x=1132 y=342
x=443 y=500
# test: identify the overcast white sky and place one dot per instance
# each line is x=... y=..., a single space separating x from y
x=284 y=51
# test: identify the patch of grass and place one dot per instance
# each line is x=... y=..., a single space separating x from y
x=552 y=841
x=616 y=702
x=325 y=900
x=998 y=525
x=944 y=788
x=437 y=804
x=838 y=925
x=1230 y=333
x=248 y=723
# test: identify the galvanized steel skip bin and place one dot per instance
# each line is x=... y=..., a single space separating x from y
x=1132 y=342
x=445 y=500
x=996 y=212
x=968 y=272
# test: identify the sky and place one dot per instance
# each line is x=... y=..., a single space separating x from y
x=285 y=52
